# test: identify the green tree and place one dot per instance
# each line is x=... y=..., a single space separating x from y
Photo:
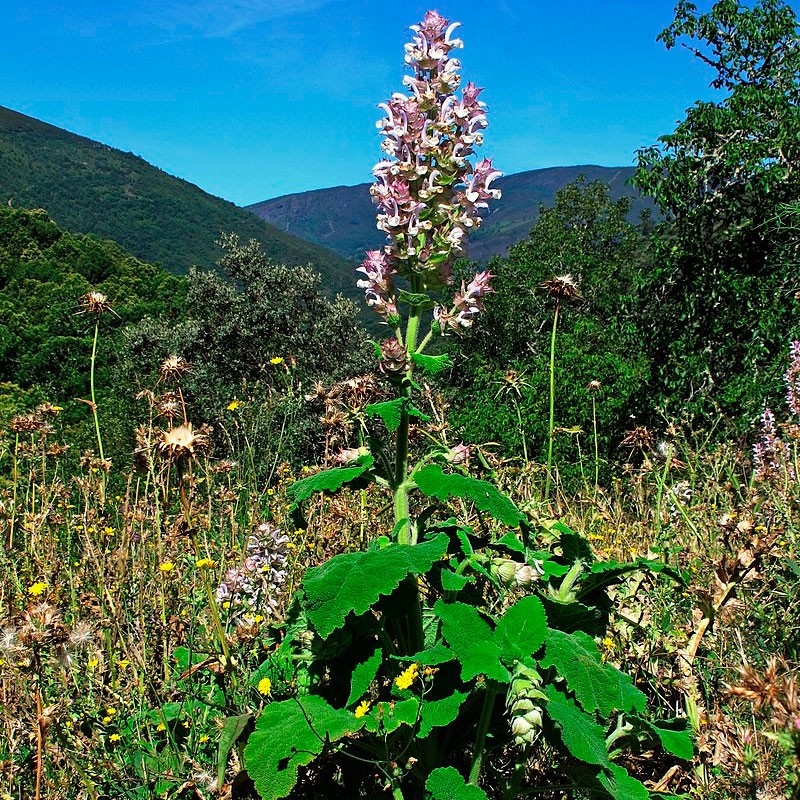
x=721 y=301
x=588 y=236
x=262 y=335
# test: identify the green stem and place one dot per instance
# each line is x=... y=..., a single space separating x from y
x=596 y=447
x=480 y=736
x=661 y=484
x=91 y=385
x=551 y=425
x=521 y=432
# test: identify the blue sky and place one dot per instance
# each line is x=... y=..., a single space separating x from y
x=251 y=99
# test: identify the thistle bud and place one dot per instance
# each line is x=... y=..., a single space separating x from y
x=505 y=570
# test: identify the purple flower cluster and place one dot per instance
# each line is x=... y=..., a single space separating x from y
x=428 y=193
x=792 y=380
x=254 y=588
x=467 y=306
x=771 y=454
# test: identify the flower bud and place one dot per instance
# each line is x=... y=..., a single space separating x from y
x=505 y=570
x=394 y=358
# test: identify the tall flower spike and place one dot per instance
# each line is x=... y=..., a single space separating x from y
x=428 y=194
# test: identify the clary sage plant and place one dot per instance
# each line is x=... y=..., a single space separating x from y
x=456 y=658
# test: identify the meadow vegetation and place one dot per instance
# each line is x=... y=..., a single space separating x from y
x=246 y=552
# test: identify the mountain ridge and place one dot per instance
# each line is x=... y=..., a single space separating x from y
x=342 y=218
x=91 y=188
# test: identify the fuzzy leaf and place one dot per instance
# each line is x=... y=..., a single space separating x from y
x=438 y=713
x=291 y=734
x=363 y=675
x=391 y=412
x=676 y=741
x=581 y=735
x=433 y=365
x=452 y=581
x=388 y=717
x=330 y=480
x=353 y=582
x=446 y=783
x=521 y=630
x=621 y=785
x=433 y=482
x=472 y=640
x=415 y=299
x=432 y=657
x=597 y=686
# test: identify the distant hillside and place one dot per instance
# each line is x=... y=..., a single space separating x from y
x=343 y=218
x=88 y=187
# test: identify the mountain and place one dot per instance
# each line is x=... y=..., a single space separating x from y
x=343 y=218
x=88 y=187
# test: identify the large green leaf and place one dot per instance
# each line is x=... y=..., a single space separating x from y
x=472 y=640
x=597 y=686
x=438 y=713
x=434 y=482
x=388 y=717
x=363 y=675
x=329 y=480
x=581 y=735
x=675 y=740
x=433 y=365
x=446 y=783
x=353 y=582
x=521 y=630
x=391 y=412
x=621 y=785
x=289 y=735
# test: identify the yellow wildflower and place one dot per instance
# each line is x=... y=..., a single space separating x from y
x=161 y=726
x=124 y=663
x=363 y=708
x=265 y=686
x=204 y=738
x=167 y=566
x=407 y=677
x=276 y=360
x=206 y=563
x=93 y=663
x=37 y=588
x=234 y=404
x=115 y=737
x=108 y=530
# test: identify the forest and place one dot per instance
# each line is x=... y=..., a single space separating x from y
x=532 y=530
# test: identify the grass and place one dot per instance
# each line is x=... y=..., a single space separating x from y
x=122 y=663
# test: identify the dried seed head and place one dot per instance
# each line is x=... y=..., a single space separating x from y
x=182 y=442
x=94 y=303
x=639 y=437
x=563 y=287
x=173 y=367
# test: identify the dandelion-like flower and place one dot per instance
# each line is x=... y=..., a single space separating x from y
x=407 y=677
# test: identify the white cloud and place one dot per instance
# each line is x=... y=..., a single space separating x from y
x=222 y=18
